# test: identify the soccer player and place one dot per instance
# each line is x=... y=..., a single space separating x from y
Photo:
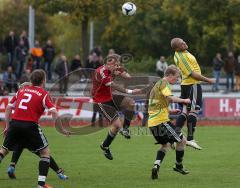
x=19 y=149
x=23 y=129
x=190 y=88
x=102 y=96
x=159 y=123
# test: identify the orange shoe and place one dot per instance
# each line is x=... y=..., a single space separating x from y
x=47 y=186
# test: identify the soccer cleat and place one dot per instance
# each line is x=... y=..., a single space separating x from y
x=125 y=132
x=155 y=170
x=193 y=144
x=11 y=172
x=62 y=176
x=180 y=169
x=106 y=152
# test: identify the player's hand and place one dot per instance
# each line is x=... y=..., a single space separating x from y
x=175 y=111
x=212 y=81
x=186 y=101
x=117 y=73
x=137 y=91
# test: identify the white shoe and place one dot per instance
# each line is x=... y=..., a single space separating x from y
x=193 y=144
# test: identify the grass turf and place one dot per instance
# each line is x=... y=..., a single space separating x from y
x=217 y=165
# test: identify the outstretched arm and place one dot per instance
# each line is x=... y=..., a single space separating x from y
x=200 y=77
x=173 y=99
x=123 y=90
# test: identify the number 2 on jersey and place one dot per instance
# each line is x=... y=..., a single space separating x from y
x=21 y=104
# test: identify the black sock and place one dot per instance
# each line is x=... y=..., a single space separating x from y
x=126 y=123
x=43 y=170
x=16 y=155
x=54 y=166
x=108 y=140
x=179 y=157
x=180 y=121
x=160 y=157
x=1 y=157
x=191 y=124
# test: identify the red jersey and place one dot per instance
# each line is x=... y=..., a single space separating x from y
x=29 y=103
x=102 y=80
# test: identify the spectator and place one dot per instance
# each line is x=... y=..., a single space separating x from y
x=93 y=61
x=111 y=51
x=76 y=63
x=26 y=76
x=237 y=74
x=62 y=69
x=217 y=66
x=48 y=54
x=37 y=54
x=10 y=43
x=10 y=80
x=24 y=37
x=229 y=67
x=3 y=89
x=21 y=53
x=161 y=66
x=29 y=65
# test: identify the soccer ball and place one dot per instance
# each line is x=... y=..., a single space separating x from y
x=129 y=9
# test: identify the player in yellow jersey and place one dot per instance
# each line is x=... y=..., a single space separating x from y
x=190 y=88
x=159 y=123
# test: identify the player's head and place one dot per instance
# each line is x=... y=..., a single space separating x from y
x=178 y=44
x=38 y=77
x=112 y=62
x=172 y=74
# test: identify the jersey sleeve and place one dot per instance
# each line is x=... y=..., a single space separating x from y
x=47 y=103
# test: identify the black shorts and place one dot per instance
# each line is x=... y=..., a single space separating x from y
x=165 y=133
x=26 y=134
x=194 y=93
x=110 y=109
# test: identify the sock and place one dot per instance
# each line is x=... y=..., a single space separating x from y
x=180 y=121
x=191 y=124
x=54 y=166
x=43 y=170
x=110 y=137
x=126 y=123
x=160 y=156
x=1 y=157
x=15 y=156
x=179 y=157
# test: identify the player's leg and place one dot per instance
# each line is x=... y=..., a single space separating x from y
x=180 y=146
x=54 y=166
x=196 y=98
x=43 y=166
x=159 y=132
x=127 y=106
x=15 y=157
x=3 y=153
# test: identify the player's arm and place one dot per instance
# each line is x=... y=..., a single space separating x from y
x=8 y=113
x=173 y=99
x=200 y=77
x=124 y=90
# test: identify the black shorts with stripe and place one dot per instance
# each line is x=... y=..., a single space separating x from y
x=110 y=109
x=165 y=133
x=25 y=134
x=194 y=93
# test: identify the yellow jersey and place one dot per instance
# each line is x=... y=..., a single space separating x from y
x=187 y=63
x=158 y=104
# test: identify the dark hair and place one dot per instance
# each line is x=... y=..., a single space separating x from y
x=37 y=77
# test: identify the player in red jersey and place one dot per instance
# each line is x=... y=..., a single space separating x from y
x=18 y=151
x=29 y=104
x=103 y=85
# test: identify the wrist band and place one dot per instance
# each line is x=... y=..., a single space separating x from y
x=129 y=91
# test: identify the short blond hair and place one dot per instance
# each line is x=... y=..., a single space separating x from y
x=171 y=70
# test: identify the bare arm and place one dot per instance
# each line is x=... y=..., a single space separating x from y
x=123 y=90
x=54 y=114
x=173 y=99
x=8 y=113
x=200 y=77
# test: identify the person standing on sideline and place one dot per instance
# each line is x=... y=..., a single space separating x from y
x=161 y=66
x=190 y=88
x=217 y=67
x=21 y=53
x=237 y=74
x=10 y=43
x=229 y=68
x=48 y=55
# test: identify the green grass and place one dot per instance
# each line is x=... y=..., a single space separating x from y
x=217 y=165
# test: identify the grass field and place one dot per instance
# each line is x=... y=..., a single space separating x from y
x=217 y=165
